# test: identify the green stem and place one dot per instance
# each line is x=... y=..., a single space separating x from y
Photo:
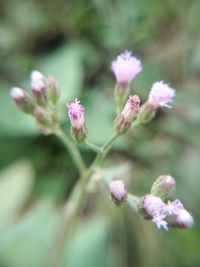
x=133 y=202
x=75 y=154
x=91 y=146
x=66 y=230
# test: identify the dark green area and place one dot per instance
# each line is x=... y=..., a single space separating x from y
x=76 y=41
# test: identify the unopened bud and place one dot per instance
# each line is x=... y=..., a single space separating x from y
x=76 y=116
x=53 y=89
x=39 y=87
x=163 y=186
x=42 y=117
x=118 y=192
x=125 y=119
x=22 y=100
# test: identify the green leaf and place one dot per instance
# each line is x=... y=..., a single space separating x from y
x=89 y=246
x=15 y=186
x=29 y=241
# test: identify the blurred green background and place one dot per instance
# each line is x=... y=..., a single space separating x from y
x=75 y=41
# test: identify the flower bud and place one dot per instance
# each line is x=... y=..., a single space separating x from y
x=125 y=119
x=53 y=89
x=163 y=186
x=39 y=87
x=22 y=100
x=42 y=117
x=76 y=116
x=118 y=192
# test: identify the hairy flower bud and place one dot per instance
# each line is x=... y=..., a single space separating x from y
x=163 y=186
x=42 y=117
x=125 y=68
x=22 y=100
x=39 y=87
x=76 y=116
x=53 y=89
x=118 y=192
x=125 y=119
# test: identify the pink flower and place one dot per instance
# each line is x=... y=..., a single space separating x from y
x=125 y=68
x=76 y=114
x=161 y=95
x=155 y=209
x=177 y=215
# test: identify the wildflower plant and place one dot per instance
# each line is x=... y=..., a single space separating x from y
x=42 y=103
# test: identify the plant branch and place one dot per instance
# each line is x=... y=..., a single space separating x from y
x=91 y=146
x=74 y=152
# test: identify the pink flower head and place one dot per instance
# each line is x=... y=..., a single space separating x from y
x=125 y=68
x=155 y=208
x=177 y=215
x=162 y=214
x=161 y=95
x=76 y=114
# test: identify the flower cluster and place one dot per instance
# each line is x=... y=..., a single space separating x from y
x=164 y=214
x=42 y=103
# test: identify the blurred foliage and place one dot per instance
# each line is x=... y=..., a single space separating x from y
x=76 y=41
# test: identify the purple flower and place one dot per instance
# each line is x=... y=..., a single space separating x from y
x=161 y=95
x=155 y=209
x=76 y=114
x=118 y=191
x=125 y=68
x=177 y=215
